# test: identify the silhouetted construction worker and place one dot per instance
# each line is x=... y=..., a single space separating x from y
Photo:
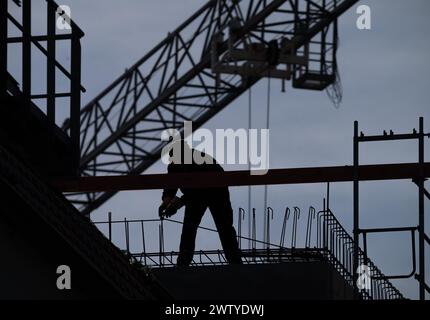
x=196 y=202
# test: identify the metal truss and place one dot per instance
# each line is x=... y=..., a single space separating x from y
x=176 y=81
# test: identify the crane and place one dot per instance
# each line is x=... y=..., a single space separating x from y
x=216 y=55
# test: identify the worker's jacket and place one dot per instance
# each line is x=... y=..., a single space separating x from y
x=190 y=194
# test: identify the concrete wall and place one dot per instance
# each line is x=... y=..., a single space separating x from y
x=25 y=272
x=31 y=251
x=287 y=281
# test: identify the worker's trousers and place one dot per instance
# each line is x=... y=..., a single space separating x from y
x=219 y=204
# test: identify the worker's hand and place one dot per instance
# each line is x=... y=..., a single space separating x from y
x=163 y=207
x=169 y=207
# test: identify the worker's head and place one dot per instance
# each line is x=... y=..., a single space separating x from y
x=180 y=152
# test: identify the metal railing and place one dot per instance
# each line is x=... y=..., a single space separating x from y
x=333 y=238
x=324 y=240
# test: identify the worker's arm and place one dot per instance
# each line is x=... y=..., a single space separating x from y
x=170 y=202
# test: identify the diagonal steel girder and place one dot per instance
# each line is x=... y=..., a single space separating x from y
x=121 y=127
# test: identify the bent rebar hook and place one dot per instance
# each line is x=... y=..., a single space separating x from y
x=311 y=217
x=296 y=217
x=284 y=227
x=254 y=230
x=268 y=212
x=241 y=217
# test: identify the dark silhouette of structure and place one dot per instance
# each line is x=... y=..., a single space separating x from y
x=233 y=45
x=40 y=229
x=196 y=201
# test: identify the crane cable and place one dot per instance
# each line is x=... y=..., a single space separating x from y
x=267 y=149
x=249 y=164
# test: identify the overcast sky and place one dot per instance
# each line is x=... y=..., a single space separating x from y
x=386 y=79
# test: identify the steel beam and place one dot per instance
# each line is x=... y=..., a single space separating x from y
x=241 y=178
x=3 y=48
x=26 y=48
x=50 y=66
x=421 y=220
x=356 y=208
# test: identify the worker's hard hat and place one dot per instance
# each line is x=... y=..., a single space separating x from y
x=178 y=151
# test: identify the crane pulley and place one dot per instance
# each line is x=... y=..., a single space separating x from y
x=248 y=58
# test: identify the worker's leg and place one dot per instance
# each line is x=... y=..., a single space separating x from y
x=194 y=212
x=221 y=210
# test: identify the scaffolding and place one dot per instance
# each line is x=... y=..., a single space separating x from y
x=325 y=241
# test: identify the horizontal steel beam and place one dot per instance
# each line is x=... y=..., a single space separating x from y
x=391 y=137
x=241 y=178
x=40 y=38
